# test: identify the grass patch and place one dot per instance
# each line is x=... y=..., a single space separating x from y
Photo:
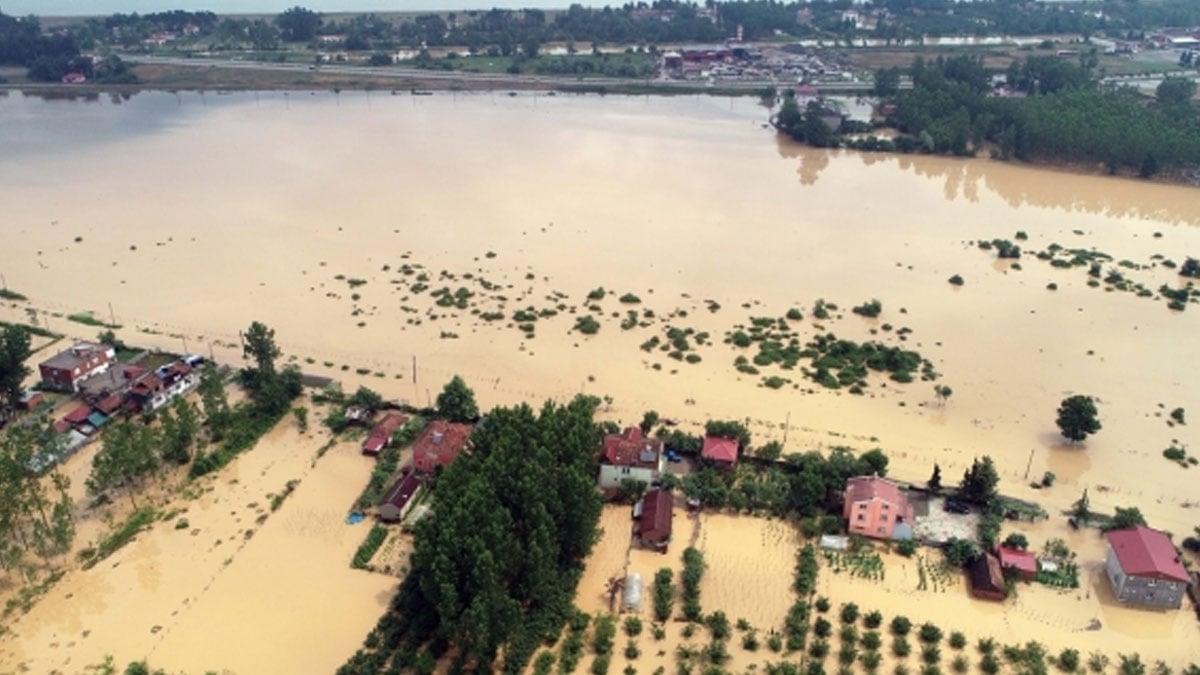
x=246 y=426
x=6 y=294
x=123 y=534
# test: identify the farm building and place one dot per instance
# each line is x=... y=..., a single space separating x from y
x=1145 y=569
x=65 y=370
x=654 y=519
x=440 y=444
x=986 y=578
x=381 y=434
x=1023 y=563
x=875 y=507
x=630 y=456
x=723 y=452
x=400 y=497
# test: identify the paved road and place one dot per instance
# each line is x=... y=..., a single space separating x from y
x=499 y=79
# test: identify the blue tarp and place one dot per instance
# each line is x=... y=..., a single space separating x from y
x=355 y=518
x=97 y=419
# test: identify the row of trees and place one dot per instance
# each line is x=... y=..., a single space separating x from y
x=494 y=569
x=48 y=57
x=35 y=512
x=14 y=351
x=1064 y=117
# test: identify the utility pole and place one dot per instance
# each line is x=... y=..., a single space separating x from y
x=786 y=426
x=414 y=369
x=112 y=316
x=1029 y=463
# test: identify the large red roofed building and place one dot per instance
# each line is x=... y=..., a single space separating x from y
x=654 y=520
x=721 y=451
x=875 y=507
x=381 y=434
x=630 y=456
x=65 y=370
x=440 y=444
x=1144 y=568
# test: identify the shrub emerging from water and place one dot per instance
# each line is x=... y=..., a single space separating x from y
x=957 y=280
x=587 y=325
x=870 y=309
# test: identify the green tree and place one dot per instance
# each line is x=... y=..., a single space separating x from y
x=457 y=402
x=214 y=401
x=649 y=420
x=301 y=415
x=1125 y=518
x=1175 y=90
x=127 y=455
x=260 y=346
x=367 y=398
x=935 y=479
x=1016 y=540
x=180 y=427
x=979 y=482
x=887 y=82
x=298 y=24
x=1081 y=509
x=731 y=429
x=14 y=351
x=1078 y=417
x=961 y=552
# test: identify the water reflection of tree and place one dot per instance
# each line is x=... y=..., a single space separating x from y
x=1018 y=185
x=812 y=160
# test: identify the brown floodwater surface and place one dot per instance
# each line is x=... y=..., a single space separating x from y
x=195 y=215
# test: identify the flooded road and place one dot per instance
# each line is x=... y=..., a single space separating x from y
x=194 y=215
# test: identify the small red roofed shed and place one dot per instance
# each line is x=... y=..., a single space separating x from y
x=654 y=527
x=381 y=434
x=78 y=415
x=722 y=451
x=1024 y=562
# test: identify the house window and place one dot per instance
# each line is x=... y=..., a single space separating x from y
x=862 y=506
x=883 y=517
x=882 y=530
x=1151 y=583
x=861 y=517
x=884 y=507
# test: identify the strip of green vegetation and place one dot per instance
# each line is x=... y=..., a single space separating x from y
x=6 y=294
x=693 y=570
x=136 y=522
x=367 y=549
x=87 y=319
x=32 y=330
x=380 y=476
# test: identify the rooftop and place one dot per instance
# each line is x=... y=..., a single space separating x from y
x=75 y=356
x=719 y=449
x=1145 y=552
x=630 y=448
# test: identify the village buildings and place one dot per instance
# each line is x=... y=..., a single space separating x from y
x=381 y=434
x=1144 y=568
x=986 y=578
x=875 y=507
x=1023 y=563
x=399 y=500
x=630 y=456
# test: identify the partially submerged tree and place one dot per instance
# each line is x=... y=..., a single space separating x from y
x=979 y=482
x=14 y=351
x=457 y=402
x=1125 y=518
x=127 y=455
x=935 y=479
x=1078 y=417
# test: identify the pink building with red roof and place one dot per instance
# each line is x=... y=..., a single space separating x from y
x=630 y=456
x=1145 y=569
x=875 y=507
x=721 y=451
x=654 y=519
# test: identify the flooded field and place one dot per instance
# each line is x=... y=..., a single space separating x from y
x=335 y=219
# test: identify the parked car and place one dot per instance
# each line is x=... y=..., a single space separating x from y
x=955 y=506
x=673 y=457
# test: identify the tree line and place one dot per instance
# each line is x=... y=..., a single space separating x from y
x=48 y=57
x=1062 y=115
x=496 y=563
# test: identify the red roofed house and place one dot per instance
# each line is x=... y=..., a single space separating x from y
x=65 y=370
x=1144 y=568
x=875 y=507
x=986 y=578
x=440 y=444
x=630 y=456
x=1024 y=562
x=654 y=521
x=381 y=435
x=144 y=391
x=399 y=499
x=721 y=451
x=78 y=416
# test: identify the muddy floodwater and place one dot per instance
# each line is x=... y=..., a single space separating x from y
x=336 y=218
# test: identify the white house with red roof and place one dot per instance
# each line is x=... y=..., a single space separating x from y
x=875 y=507
x=630 y=456
x=1145 y=569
